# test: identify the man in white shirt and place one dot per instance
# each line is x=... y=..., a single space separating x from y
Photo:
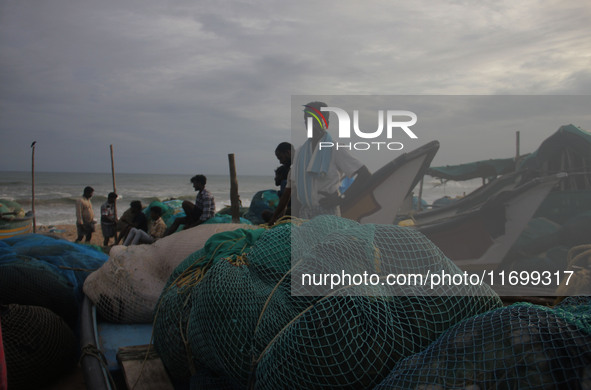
x=315 y=174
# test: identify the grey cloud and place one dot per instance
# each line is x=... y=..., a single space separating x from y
x=176 y=83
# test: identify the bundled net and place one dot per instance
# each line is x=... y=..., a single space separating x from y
x=171 y=209
x=39 y=346
x=45 y=271
x=177 y=300
x=228 y=316
x=126 y=288
x=522 y=346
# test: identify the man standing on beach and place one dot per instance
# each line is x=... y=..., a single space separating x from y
x=85 y=215
x=109 y=218
x=201 y=211
x=316 y=174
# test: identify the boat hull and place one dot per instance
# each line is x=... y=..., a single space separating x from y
x=14 y=227
x=480 y=239
x=385 y=191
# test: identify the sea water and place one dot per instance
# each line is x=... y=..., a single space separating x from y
x=56 y=192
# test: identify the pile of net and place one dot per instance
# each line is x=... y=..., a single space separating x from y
x=10 y=209
x=173 y=209
x=45 y=271
x=228 y=317
x=39 y=346
x=126 y=288
x=41 y=280
x=522 y=346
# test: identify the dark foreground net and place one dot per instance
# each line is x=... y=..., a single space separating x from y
x=39 y=346
x=44 y=271
x=522 y=346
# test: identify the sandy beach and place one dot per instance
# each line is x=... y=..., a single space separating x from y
x=68 y=232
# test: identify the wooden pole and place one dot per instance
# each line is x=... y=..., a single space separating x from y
x=113 y=176
x=113 y=170
x=234 y=197
x=517 y=145
x=33 y=187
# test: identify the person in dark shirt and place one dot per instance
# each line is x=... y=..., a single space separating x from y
x=109 y=218
x=283 y=152
x=133 y=217
x=198 y=212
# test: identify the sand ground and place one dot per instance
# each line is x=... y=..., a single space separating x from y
x=68 y=232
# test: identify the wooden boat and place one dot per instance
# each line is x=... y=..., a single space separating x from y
x=469 y=202
x=13 y=226
x=118 y=356
x=480 y=238
x=386 y=189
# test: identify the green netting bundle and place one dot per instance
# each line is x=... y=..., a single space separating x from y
x=522 y=346
x=233 y=315
x=349 y=338
x=173 y=309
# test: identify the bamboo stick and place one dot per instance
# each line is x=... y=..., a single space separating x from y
x=113 y=170
x=113 y=176
x=517 y=146
x=234 y=197
x=33 y=187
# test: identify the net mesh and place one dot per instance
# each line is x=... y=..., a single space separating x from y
x=522 y=346
x=126 y=288
x=227 y=314
x=41 y=270
x=39 y=346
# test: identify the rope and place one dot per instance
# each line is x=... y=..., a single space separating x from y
x=93 y=351
x=77 y=269
x=577 y=253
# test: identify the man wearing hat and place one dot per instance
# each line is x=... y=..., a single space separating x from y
x=85 y=215
x=109 y=218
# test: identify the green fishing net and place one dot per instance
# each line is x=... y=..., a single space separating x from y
x=228 y=314
x=522 y=346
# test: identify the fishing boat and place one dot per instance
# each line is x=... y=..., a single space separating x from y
x=104 y=349
x=14 y=220
x=466 y=203
x=387 y=188
x=480 y=238
x=556 y=219
x=10 y=227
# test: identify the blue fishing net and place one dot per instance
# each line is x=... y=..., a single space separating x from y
x=45 y=271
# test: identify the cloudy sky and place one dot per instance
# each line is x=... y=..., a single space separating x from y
x=177 y=85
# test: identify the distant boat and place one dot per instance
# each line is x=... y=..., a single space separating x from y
x=13 y=219
x=10 y=227
x=387 y=188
